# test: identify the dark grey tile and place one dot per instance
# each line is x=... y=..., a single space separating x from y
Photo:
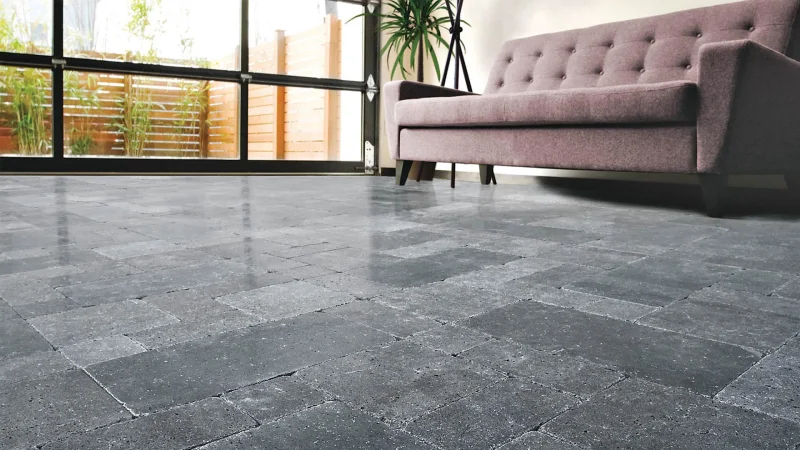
x=93 y=272
x=399 y=382
x=286 y=300
x=31 y=310
x=390 y=320
x=565 y=373
x=447 y=302
x=741 y=299
x=648 y=415
x=348 y=284
x=771 y=386
x=33 y=366
x=37 y=411
x=170 y=260
x=451 y=339
x=495 y=415
x=790 y=290
x=496 y=276
x=18 y=338
x=243 y=248
x=756 y=281
x=665 y=357
x=592 y=256
x=87 y=353
x=332 y=426
x=653 y=238
x=100 y=321
x=618 y=309
x=244 y=282
x=186 y=331
x=559 y=235
x=346 y=259
x=189 y=372
x=189 y=304
x=558 y=276
x=305 y=272
x=7 y=312
x=69 y=257
x=538 y=441
x=750 y=328
x=273 y=399
x=134 y=249
x=183 y=427
x=630 y=290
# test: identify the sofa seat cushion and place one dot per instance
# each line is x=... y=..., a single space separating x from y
x=668 y=102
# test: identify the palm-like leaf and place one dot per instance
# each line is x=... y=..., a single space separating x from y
x=414 y=29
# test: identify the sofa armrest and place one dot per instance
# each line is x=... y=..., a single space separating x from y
x=396 y=91
x=748 y=115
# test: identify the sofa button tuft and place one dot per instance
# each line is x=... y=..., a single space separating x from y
x=611 y=46
x=652 y=41
x=752 y=29
x=574 y=50
x=688 y=66
x=564 y=77
x=699 y=35
x=601 y=73
x=641 y=70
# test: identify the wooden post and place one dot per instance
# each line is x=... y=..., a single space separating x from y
x=279 y=134
x=205 y=102
x=332 y=70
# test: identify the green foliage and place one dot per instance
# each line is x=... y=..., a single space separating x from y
x=24 y=92
x=192 y=109
x=413 y=27
x=84 y=96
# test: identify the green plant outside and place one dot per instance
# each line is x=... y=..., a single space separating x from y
x=84 y=94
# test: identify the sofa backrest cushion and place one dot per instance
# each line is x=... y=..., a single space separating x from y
x=649 y=50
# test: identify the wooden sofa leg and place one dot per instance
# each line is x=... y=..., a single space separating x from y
x=453 y=176
x=402 y=169
x=713 y=187
x=487 y=173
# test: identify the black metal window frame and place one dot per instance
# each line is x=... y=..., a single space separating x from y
x=58 y=63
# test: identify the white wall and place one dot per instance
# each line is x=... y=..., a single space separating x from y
x=496 y=21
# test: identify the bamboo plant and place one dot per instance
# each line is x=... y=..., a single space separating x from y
x=414 y=29
x=87 y=102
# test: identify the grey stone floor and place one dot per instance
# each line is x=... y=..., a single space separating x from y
x=345 y=313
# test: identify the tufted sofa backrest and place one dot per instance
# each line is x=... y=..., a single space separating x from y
x=649 y=50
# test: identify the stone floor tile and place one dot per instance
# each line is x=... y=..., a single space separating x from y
x=494 y=277
x=396 y=322
x=183 y=427
x=538 y=441
x=665 y=357
x=18 y=338
x=618 y=309
x=674 y=272
x=654 y=238
x=345 y=259
x=447 y=302
x=195 y=370
x=7 y=312
x=451 y=339
x=20 y=290
x=86 y=353
x=169 y=260
x=570 y=374
x=305 y=272
x=632 y=290
x=31 y=310
x=33 y=366
x=558 y=235
x=759 y=330
x=100 y=321
x=511 y=245
x=189 y=304
x=592 y=256
x=276 y=398
x=556 y=277
x=772 y=386
x=286 y=300
x=495 y=415
x=648 y=415
x=270 y=263
x=425 y=249
x=791 y=289
x=241 y=283
x=244 y=247
x=399 y=382
x=756 y=281
x=332 y=426
x=746 y=300
x=135 y=249
x=37 y=411
x=93 y=272
x=186 y=331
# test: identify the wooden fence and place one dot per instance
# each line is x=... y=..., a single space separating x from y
x=190 y=118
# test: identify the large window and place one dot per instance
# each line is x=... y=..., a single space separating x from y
x=245 y=85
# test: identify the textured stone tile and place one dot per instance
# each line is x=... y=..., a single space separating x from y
x=134 y=249
x=399 y=382
x=674 y=272
x=244 y=247
x=756 y=281
x=270 y=263
x=445 y=301
x=592 y=256
x=511 y=245
x=183 y=427
x=746 y=327
x=20 y=290
x=332 y=426
x=357 y=287
x=169 y=260
x=556 y=277
x=630 y=289
x=37 y=411
x=558 y=297
x=18 y=338
x=93 y=272
x=100 y=350
x=648 y=415
x=7 y=312
x=451 y=339
x=387 y=319
x=495 y=415
x=189 y=304
x=307 y=249
x=746 y=300
x=345 y=259
x=438 y=267
x=286 y=300
x=659 y=237
x=100 y=321
x=36 y=365
x=425 y=249
x=240 y=283
x=538 y=441
x=273 y=399
x=180 y=332
x=790 y=290
x=305 y=272
x=618 y=309
x=395 y=239
x=565 y=373
x=494 y=277
x=665 y=357
x=195 y=370
x=31 y=310
x=772 y=386
x=559 y=235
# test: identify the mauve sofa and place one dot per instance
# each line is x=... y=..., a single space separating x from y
x=711 y=91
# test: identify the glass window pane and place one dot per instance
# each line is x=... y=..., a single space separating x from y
x=26 y=112
x=287 y=123
x=313 y=38
x=26 y=26
x=136 y=116
x=194 y=33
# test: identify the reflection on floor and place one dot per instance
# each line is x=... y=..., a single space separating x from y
x=343 y=312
